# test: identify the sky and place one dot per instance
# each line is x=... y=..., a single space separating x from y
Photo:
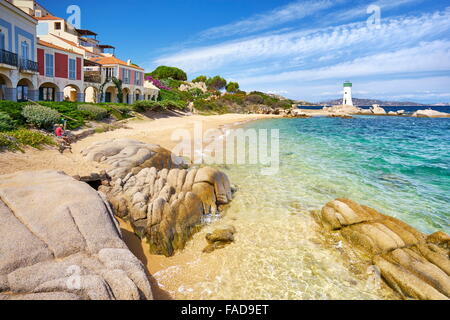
x=396 y=50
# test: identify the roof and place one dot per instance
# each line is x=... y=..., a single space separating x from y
x=85 y=32
x=72 y=43
x=51 y=45
x=106 y=46
x=114 y=60
x=48 y=17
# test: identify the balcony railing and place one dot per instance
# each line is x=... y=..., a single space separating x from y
x=8 y=57
x=28 y=65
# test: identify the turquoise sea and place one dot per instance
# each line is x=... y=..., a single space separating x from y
x=399 y=166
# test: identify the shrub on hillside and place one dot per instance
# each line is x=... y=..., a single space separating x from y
x=94 y=112
x=209 y=106
x=6 y=122
x=14 y=110
x=232 y=87
x=216 y=83
x=282 y=104
x=164 y=72
x=40 y=116
x=255 y=99
x=200 y=79
x=15 y=139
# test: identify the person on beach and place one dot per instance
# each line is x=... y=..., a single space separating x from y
x=59 y=131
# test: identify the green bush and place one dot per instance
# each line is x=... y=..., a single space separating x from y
x=6 y=123
x=172 y=83
x=164 y=72
x=232 y=87
x=94 y=112
x=145 y=105
x=15 y=139
x=200 y=79
x=255 y=99
x=209 y=106
x=14 y=110
x=40 y=116
x=216 y=83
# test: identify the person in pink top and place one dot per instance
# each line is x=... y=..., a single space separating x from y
x=59 y=131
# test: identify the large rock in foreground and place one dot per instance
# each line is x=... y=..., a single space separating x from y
x=413 y=264
x=124 y=155
x=59 y=240
x=167 y=206
x=150 y=188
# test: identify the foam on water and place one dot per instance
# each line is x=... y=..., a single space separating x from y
x=400 y=166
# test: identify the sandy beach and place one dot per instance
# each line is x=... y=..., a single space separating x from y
x=150 y=130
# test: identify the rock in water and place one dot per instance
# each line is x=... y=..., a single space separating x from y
x=151 y=187
x=219 y=238
x=61 y=241
x=414 y=265
x=171 y=203
x=429 y=113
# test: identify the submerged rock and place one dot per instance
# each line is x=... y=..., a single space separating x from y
x=60 y=240
x=413 y=264
x=219 y=238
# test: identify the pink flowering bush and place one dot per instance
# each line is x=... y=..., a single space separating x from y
x=157 y=83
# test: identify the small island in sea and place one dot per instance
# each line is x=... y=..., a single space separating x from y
x=171 y=182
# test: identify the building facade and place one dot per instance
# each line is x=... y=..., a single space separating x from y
x=43 y=57
x=18 y=64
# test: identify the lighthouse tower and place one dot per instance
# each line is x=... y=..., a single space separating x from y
x=347 y=94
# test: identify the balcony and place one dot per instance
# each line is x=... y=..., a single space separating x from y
x=28 y=65
x=9 y=58
x=93 y=76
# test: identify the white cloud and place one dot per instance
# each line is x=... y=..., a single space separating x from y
x=394 y=33
x=293 y=11
x=426 y=57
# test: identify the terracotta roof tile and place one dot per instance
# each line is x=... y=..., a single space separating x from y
x=48 y=17
x=114 y=60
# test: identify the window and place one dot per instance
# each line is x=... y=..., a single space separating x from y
x=2 y=40
x=137 y=78
x=126 y=76
x=57 y=25
x=24 y=50
x=49 y=65
x=38 y=13
x=109 y=73
x=72 y=69
x=46 y=94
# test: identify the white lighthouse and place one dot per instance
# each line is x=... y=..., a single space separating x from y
x=347 y=101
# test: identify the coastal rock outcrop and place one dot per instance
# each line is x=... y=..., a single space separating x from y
x=376 y=109
x=60 y=240
x=164 y=201
x=429 y=113
x=124 y=155
x=219 y=238
x=413 y=264
x=167 y=206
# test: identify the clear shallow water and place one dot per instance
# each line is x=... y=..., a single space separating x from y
x=400 y=166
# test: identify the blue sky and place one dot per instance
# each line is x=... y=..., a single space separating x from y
x=301 y=49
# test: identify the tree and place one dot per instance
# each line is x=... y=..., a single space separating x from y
x=217 y=83
x=201 y=79
x=164 y=72
x=232 y=87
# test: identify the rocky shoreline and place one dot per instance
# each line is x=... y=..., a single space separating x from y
x=63 y=242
